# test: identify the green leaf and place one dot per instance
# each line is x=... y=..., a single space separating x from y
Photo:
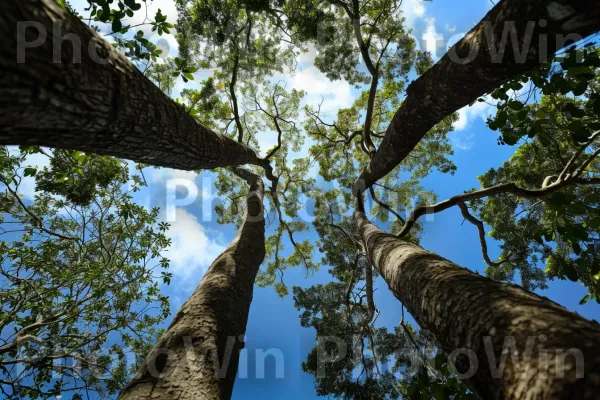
x=578 y=70
x=574 y=111
x=579 y=87
x=560 y=199
x=133 y=5
x=585 y=299
x=577 y=209
x=594 y=223
x=570 y=272
x=592 y=199
x=30 y=171
x=117 y=25
x=515 y=105
x=80 y=156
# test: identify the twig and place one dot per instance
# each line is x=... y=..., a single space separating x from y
x=493 y=190
x=385 y=206
x=484 y=249
x=370 y=301
x=39 y=221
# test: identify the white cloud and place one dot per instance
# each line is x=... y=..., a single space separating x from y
x=307 y=58
x=451 y=29
x=335 y=95
x=191 y=251
x=468 y=114
x=412 y=10
x=266 y=140
x=461 y=137
x=462 y=140
x=483 y=110
x=432 y=40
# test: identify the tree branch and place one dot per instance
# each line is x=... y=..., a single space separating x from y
x=484 y=249
x=493 y=190
x=370 y=301
x=385 y=206
x=37 y=219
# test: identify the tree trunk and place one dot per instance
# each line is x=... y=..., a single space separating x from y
x=474 y=316
x=197 y=358
x=540 y=27
x=86 y=96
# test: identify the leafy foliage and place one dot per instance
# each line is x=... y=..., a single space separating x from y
x=355 y=359
x=560 y=229
x=242 y=42
x=373 y=32
x=245 y=44
x=113 y=18
x=80 y=272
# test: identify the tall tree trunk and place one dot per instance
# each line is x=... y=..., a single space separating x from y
x=540 y=27
x=468 y=311
x=86 y=96
x=197 y=358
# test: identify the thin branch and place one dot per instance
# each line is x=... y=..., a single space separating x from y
x=385 y=206
x=410 y=336
x=234 y=102
x=370 y=301
x=587 y=162
x=564 y=174
x=484 y=249
x=360 y=246
x=493 y=190
x=39 y=221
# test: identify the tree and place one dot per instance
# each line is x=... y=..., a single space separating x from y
x=559 y=228
x=92 y=80
x=353 y=357
x=208 y=330
x=395 y=256
x=244 y=105
x=463 y=310
x=477 y=65
x=80 y=271
x=418 y=284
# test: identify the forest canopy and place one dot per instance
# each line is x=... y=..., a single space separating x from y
x=341 y=190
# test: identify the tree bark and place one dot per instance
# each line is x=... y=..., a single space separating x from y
x=81 y=94
x=464 y=310
x=197 y=358
x=540 y=26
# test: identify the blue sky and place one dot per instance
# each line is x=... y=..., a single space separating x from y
x=274 y=322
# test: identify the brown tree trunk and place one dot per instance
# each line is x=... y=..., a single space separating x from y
x=541 y=27
x=556 y=353
x=65 y=95
x=197 y=358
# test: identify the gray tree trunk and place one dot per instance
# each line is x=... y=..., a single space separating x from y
x=81 y=94
x=488 y=56
x=556 y=353
x=197 y=358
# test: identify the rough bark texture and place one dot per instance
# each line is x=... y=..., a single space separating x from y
x=451 y=84
x=213 y=321
x=101 y=107
x=461 y=309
